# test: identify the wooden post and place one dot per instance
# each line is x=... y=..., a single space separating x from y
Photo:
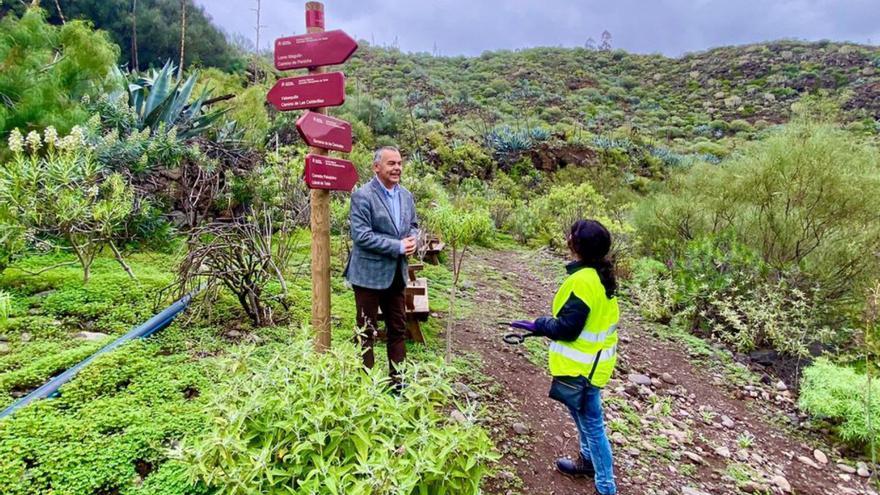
x=320 y=219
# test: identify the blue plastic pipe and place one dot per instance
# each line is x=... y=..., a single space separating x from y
x=151 y=326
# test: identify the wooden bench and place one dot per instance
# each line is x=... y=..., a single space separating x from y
x=417 y=305
x=432 y=251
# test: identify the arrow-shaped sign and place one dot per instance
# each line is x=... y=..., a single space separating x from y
x=323 y=172
x=312 y=91
x=313 y=50
x=324 y=131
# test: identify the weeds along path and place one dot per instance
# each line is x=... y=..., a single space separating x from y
x=678 y=422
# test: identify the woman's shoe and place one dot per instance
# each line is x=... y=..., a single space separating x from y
x=577 y=468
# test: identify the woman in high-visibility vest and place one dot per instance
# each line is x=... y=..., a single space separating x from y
x=583 y=351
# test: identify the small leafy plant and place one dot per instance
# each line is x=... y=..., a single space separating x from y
x=296 y=421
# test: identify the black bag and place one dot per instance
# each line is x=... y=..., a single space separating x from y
x=570 y=390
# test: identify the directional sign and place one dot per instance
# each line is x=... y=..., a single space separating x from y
x=313 y=50
x=323 y=172
x=312 y=91
x=325 y=132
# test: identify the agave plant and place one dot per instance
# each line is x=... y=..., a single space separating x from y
x=158 y=97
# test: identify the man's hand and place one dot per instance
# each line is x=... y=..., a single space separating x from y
x=409 y=246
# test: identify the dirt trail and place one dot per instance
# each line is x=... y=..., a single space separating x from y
x=688 y=432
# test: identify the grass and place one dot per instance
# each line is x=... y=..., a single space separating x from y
x=116 y=425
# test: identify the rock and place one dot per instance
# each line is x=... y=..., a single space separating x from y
x=820 y=456
x=521 y=428
x=723 y=452
x=781 y=483
x=742 y=455
x=633 y=452
x=25 y=337
x=44 y=293
x=694 y=74
x=862 y=470
x=846 y=468
x=3 y=338
x=457 y=416
x=693 y=457
x=668 y=378
x=752 y=487
x=781 y=386
x=639 y=379
x=4 y=347
x=90 y=336
x=732 y=101
x=463 y=389
x=809 y=462
x=692 y=491
x=178 y=218
x=506 y=476
x=618 y=438
x=727 y=422
x=719 y=95
x=233 y=334
x=765 y=356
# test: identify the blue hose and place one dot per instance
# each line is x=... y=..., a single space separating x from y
x=151 y=326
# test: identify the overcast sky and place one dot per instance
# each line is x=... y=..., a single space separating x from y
x=469 y=27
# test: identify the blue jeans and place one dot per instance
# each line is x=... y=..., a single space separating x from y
x=584 y=402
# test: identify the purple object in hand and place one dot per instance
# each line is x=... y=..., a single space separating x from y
x=524 y=325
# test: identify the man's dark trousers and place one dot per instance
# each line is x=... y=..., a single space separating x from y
x=393 y=303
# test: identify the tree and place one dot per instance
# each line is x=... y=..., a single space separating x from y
x=46 y=70
x=460 y=229
x=590 y=44
x=605 y=46
x=158 y=22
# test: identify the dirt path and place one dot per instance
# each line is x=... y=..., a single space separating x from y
x=684 y=432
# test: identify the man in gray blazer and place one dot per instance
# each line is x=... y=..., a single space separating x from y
x=383 y=231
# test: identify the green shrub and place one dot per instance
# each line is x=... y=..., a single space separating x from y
x=839 y=394
x=306 y=422
x=47 y=70
x=652 y=289
x=804 y=200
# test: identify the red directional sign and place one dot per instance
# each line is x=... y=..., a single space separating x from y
x=313 y=50
x=312 y=91
x=323 y=172
x=325 y=132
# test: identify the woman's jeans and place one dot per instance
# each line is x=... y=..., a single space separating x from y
x=584 y=401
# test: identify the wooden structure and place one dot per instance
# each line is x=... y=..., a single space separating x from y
x=432 y=250
x=417 y=306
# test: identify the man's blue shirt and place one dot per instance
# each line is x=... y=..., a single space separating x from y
x=393 y=197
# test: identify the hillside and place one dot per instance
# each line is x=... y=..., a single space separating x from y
x=597 y=90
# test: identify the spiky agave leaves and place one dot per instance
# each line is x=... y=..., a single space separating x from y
x=158 y=97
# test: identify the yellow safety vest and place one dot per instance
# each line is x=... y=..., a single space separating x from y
x=594 y=353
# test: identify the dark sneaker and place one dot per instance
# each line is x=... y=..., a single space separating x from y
x=577 y=468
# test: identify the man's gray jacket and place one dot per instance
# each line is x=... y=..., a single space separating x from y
x=376 y=238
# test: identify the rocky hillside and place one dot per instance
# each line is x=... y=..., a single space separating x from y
x=717 y=93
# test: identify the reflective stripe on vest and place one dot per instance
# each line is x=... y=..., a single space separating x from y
x=597 y=337
x=580 y=357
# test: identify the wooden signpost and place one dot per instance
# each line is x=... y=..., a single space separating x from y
x=317 y=91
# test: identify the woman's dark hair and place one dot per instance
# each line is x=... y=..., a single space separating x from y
x=592 y=242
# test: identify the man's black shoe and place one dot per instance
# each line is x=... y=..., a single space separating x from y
x=577 y=468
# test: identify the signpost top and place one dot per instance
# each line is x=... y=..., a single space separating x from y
x=313 y=50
